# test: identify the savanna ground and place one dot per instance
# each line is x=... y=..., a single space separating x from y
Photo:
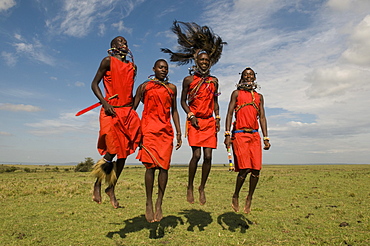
x=292 y=205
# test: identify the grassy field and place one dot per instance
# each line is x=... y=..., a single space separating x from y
x=293 y=205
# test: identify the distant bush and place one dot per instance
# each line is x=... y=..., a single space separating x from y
x=85 y=166
x=10 y=169
x=27 y=170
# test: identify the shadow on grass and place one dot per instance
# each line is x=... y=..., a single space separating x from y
x=233 y=221
x=197 y=218
x=156 y=229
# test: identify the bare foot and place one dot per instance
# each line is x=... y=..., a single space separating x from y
x=202 y=196
x=248 y=203
x=235 y=203
x=96 y=193
x=189 y=195
x=149 y=214
x=110 y=192
x=158 y=216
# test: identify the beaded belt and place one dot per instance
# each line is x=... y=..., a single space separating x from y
x=246 y=131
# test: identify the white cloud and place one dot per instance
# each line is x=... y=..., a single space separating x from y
x=349 y=6
x=6 y=4
x=18 y=36
x=79 y=84
x=34 y=50
x=359 y=48
x=339 y=4
x=102 y=29
x=331 y=81
x=19 y=107
x=66 y=122
x=5 y=134
x=9 y=58
x=79 y=17
x=120 y=27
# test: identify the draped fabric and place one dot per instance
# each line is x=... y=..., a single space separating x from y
x=201 y=102
x=157 y=138
x=246 y=146
x=120 y=134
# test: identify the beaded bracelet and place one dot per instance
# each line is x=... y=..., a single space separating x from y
x=227 y=133
x=190 y=114
x=218 y=117
x=266 y=138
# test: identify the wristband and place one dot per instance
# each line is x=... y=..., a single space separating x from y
x=266 y=138
x=218 y=117
x=190 y=114
x=227 y=133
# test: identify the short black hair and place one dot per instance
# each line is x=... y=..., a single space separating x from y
x=114 y=41
x=159 y=60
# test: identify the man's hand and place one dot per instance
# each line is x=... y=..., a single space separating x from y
x=109 y=109
x=179 y=141
x=218 y=125
x=267 y=144
x=227 y=141
x=194 y=122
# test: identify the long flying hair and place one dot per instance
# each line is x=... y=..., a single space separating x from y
x=194 y=39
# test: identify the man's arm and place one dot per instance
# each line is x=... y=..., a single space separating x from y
x=103 y=68
x=184 y=94
x=175 y=116
x=263 y=124
x=138 y=96
x=216 y=107
x=229 y=118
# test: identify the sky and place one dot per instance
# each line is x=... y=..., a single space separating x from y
x=312 y=60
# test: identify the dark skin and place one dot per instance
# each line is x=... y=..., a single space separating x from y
x=118 y=42
x=203 y=63
x=161 y=70
x=248 y=77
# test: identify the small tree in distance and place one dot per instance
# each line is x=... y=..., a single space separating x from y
x=85 y=166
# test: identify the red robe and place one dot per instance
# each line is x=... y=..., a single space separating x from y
x=247 y=147
x=119 y=135
x=201 y=103
x=157 y=140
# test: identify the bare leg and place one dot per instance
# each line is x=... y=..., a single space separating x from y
x=97 y=185
x=238 y=185
x=253 y=180
x=206 y=168
x=96 y=193
x=162 y=183
x=110 y=189
x=192 y=170
x=149 y=182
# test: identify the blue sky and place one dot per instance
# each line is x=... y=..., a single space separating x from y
x=311 y=57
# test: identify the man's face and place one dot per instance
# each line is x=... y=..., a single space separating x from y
x=248 y=76
x=120 y=43
x=203 y=61
x=161 y=70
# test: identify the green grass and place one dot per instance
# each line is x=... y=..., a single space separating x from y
x=292 y=205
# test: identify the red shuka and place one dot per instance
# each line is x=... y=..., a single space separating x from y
x=157 y=141
x=247 y=147
x=120 y=134
x=201 y=103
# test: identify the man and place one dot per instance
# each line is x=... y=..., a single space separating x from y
x=245 y=139
x=199 y=95
x=199 y=101
x=119 y=134
x=159 y=99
